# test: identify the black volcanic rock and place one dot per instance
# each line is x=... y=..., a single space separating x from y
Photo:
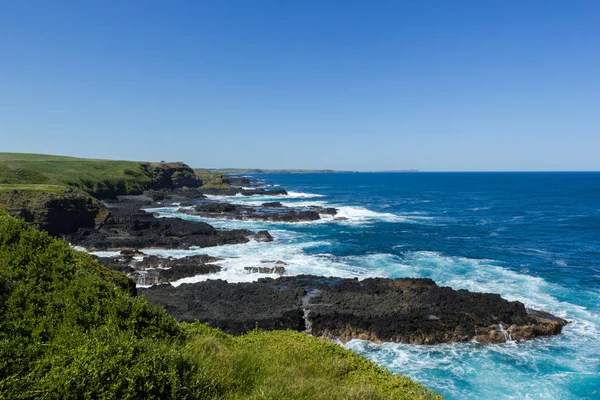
x=272 y=204
x=263 y=236
x=131 y=228
x=232 y=191
x=406 y=310
x=234 y=308
x=264 y=192
x=279 y=270
x=152 y=270
x=238 y=180
x=274 y=212
x=212 y=207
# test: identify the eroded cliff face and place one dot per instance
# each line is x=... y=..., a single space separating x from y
x=171 y=176
x=54 y=211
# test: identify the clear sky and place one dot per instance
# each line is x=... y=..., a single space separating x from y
x=359 y=85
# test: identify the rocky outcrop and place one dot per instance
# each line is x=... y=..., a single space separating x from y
x=234 y=308
x=153 y=270
x=275 y=204
x=127 y=227
x=278 y=270
x=174 y=195
x=407 y=310
x=232 y=191
x=57 y=212
x=264 y=192
x=170 y=175
x=274 y=212
x=238 y=180
x=263 y=236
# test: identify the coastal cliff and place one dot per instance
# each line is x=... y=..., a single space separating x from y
x=100 y=178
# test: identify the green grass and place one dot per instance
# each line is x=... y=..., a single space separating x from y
x=98 y=177
x=211 y=179
x=32 y=188
x=70 y=330
x=35 y=198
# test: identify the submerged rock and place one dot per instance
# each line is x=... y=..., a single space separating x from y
x=405 y=310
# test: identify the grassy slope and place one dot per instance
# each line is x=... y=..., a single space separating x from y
x=69 y=329
x=211 y=179
x=95 y=176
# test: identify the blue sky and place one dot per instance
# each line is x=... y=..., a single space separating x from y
x=358 y=85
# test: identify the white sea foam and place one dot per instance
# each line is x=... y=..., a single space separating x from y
x=105 y=253
x=345 y=215
x=254 y=254
x=302 y=195
x=539 y=369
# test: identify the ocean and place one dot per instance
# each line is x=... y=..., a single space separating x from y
x=532 y=237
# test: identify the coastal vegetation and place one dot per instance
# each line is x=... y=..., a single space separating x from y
x=70 y=328
x=212 y=179
x=100 y=178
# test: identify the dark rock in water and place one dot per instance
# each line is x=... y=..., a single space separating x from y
x=216 y=207
x=232 y=307
x=174 y=195
x=406 y=310
x=279 y=270
x=245 y=213
x=238 y=180
x=264 y=192
x=131 y=228
x=274 y=262
x=152 y=270
x=272 y=204
x=245 y=192
x=263 y=236
x=328 y=211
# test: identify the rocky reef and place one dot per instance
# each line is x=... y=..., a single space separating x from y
x=152 y=270
x=274 y=212
x=131 y=228
x=415 y=311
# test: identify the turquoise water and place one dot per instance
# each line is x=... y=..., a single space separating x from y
x=533 y=237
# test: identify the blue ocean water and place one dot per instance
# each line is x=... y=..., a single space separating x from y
x=532 y=237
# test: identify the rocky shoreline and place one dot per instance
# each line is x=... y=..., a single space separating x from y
x=415 y=311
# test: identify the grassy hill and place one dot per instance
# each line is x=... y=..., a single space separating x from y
x=101 y=178
x=70 y=329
